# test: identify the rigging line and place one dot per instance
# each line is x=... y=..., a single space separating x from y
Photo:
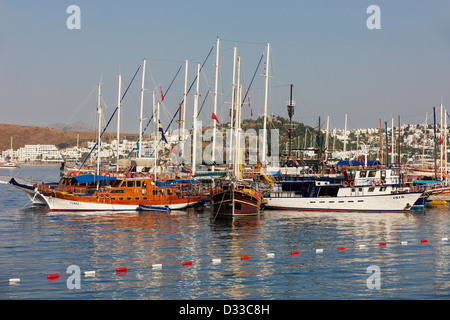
x=178 y=109
x=123 y=96
x=204 y=100
x=170 y=85
x=248 y=89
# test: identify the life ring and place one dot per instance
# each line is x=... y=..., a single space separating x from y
x=380 y=182
x=72 y=174
x=189 y=175
x=345 y=184
x=103 y=195
x=373 y=183
x=352 y=184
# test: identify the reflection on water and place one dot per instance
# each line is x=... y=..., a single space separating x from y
x=35 y=242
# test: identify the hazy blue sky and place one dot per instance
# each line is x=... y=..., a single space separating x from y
x=49 y=73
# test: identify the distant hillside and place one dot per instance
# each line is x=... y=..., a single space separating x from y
x=77 y=126
x=23 y=135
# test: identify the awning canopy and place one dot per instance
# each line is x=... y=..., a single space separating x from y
x=357 y=163
x=89 y=178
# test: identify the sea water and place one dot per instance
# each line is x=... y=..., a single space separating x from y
x=189 y=255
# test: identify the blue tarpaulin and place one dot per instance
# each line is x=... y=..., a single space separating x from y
x=357 y=163
x=88 y=178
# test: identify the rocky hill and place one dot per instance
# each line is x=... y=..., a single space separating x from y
x=23 y=135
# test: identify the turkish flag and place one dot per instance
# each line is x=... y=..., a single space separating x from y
x=215 y=118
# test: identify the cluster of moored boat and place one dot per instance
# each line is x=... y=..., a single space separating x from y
x=368 y=189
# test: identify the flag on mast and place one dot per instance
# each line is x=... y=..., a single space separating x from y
x=162 y=131
x=162 y=96
x=215 y=118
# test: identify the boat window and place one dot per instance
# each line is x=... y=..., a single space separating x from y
x=382 y=188
x=138 y=184
x=136 y=198
x=128 y=198
x=360 y=189
x=130 y=184
x=120 y=198
x=363 y=173
x=371 y=189
x=383 y=174
x=328 y=192
x=169 y=191
x=154 y=192
x=372 y=174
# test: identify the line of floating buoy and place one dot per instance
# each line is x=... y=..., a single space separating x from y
x=216 y=260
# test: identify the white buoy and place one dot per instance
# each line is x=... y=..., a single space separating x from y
x=319 y=250
x=444 y=239
x=89 y=273
x=157 y=266
x=404 y=243
x=362 y=246
x=216 y=261
x=14 y=280
x=271 y=255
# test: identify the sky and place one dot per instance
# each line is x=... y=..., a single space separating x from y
x=337 y=65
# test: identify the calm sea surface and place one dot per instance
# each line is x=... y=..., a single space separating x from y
x=35 y=243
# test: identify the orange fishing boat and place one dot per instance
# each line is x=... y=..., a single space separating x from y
x=111 y=193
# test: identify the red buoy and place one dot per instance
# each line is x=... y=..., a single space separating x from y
x=187 y=263
x=245 y=257
x=51 y=277
x=382 y=244
x=121 y=270
x=294 y=253
x=423 y=241
x=341 y=248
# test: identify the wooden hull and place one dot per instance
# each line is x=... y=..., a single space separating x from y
x=71 y=203
x=235 y=203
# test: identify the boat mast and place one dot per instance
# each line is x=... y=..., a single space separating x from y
x=186 y=63
x=440 y=141
x=194 y=137
x=99 y=114
x=215 y=102
x=155 y=130
x=142 y=109
x=264 y=142
x=345 y=138
x=233 y=98
x=399 y=158
x=445 y=145
x=435 y=157
x=392 y=142
x=237 y=151
x=118 y=120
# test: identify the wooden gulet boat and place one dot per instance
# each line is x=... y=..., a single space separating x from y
x=236 y=196
x=235 y=199
x=100 y=193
